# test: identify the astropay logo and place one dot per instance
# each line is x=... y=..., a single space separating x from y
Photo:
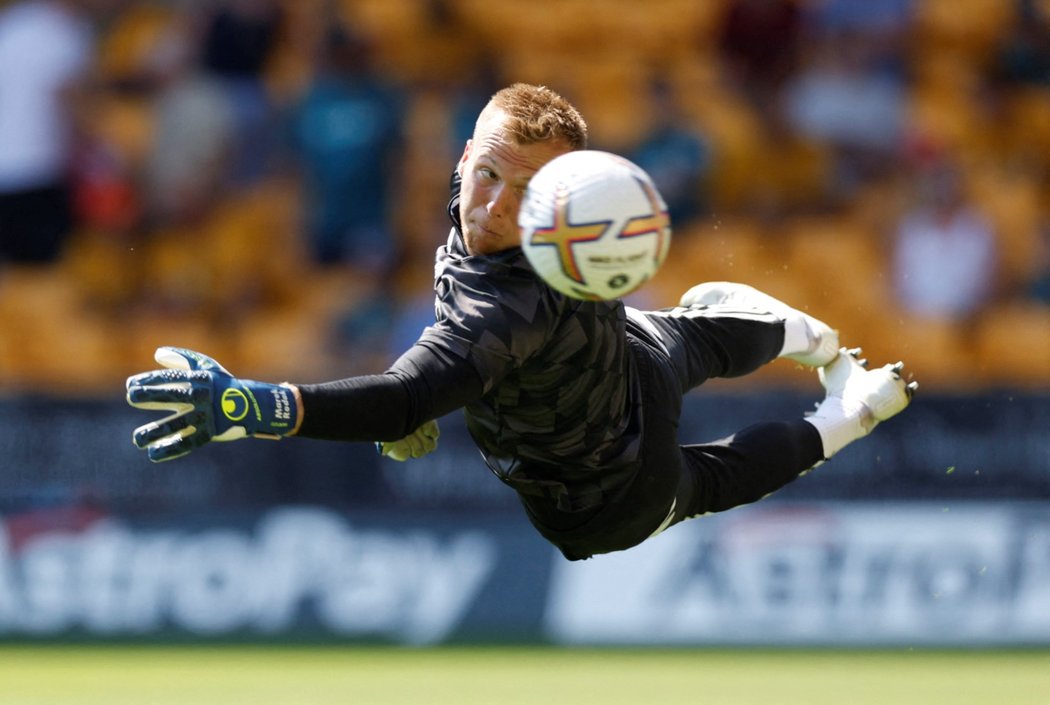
x=298 y=564
x=860 y=574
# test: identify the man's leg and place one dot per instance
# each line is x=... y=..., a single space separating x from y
x=761 y=459
x=807 y=340
x=745 y=467
x=728 y=330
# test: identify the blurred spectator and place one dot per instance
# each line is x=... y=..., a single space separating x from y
x=945 y=253
x=347 y=131
x=46 y=52
x=884 y=18
x=882 y=27
x=104 y=192
x=192 y=142
x=760 y=41
x=1024 y=54
x=676 y=155
x=239 y=39
x=842 y=99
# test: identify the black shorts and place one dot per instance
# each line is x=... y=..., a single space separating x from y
x=672 y=352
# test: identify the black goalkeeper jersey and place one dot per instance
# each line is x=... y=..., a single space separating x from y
x=543 y=379
x=552 y=391
x=556 y=416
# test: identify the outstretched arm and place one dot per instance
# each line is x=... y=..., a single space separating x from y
x=207 y=403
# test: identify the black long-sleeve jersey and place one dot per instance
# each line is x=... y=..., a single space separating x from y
x=543 y=379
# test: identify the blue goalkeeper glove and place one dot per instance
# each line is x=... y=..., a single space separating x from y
x=207 y=404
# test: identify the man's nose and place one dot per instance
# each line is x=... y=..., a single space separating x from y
x=504 y=203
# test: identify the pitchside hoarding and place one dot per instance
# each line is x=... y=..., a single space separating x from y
x=989 y=446
x=900 y=574
x=931 y=532
x=839 y=574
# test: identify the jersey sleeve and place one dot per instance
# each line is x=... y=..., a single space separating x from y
x=491 y=316
x=421 y=385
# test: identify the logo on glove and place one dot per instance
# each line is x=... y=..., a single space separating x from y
x=234 y=404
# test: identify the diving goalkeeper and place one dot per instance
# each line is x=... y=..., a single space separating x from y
x=575 y=405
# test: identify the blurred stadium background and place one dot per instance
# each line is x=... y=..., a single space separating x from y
x=266 y=181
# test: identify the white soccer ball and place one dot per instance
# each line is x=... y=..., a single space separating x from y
x=593 y=225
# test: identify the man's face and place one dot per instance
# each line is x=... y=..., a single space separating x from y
x=495 y=171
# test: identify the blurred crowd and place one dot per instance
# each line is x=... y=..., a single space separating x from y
x=266 y=180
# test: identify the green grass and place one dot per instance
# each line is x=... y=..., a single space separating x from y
x=515 y=676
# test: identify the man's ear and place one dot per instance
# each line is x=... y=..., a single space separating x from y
x=463 y=159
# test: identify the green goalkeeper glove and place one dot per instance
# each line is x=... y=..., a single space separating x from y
x=207 y=404
x=415 y=445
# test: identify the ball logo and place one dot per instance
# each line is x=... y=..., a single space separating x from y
x=234 y=404
x=564 y=234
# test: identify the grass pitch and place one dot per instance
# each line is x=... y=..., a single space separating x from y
x=514 y=676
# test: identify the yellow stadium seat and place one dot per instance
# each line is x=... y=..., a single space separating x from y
x=128 y=47
x=1010 y=199
x=938 y=352
x=840 y=264
x=49 y=341
x=147 y=328
x=1013 y=344
x=1028 y=110
x=975 y=31
x=103 y=268
x=942 y=101
x=126 y=124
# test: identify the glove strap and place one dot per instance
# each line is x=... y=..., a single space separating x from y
x=263 y=410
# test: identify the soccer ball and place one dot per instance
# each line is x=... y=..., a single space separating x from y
x=593 y=225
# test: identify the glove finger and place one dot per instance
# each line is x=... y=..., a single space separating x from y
x=176 y=446
x=176 y=424
x=186 y=359
x=414 y=445
x=176 y=397
x=426 y=446
x=168 y=449
x=396 y=450
x=157 y=377
x=430 y=430
x=410 y=446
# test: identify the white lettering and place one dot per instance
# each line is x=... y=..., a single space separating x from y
x=820 y=575
x=282 y=408
x=413 y=587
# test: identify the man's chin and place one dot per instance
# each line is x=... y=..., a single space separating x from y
x=483 y=242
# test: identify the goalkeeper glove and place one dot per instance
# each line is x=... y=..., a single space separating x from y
x=207 y=404
x=415 y=445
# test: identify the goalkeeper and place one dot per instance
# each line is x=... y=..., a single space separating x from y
x=575 y=405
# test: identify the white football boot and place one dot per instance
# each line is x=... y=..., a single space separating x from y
x=807 y=340
x=857 y=399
